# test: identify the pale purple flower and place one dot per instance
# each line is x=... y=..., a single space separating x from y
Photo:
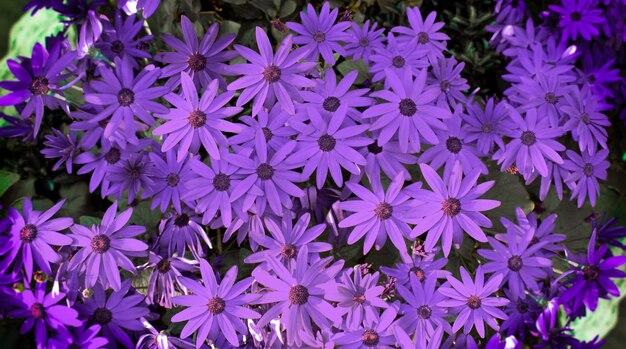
x=270 y=128
x=401 y=59
x=487 y=125
x=423 y=33
x=364 y=40
x=164 y=280
x=585 y=119
x=181 y=231
x=130 y=176
x=168 y=178
x=375 y=333
x=585 y=171
x=446 y=75
x=62 y=146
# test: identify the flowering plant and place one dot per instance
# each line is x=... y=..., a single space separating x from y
x=368 y=175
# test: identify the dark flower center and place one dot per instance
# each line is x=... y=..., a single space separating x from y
x=326 y=143
x=181 y=220
x=364 y=42
x=423 y=38
x=103 y=123
x=454 y=145
x=398 y=61
x=143 y=46
x=451 y=207
x=28 y=233
x=419 y=272
x=134 y=173
x=585 y=118
x=172 y=179
x=515 y=263
x=383 y=211
x=298 y=295
x=522 y=307
x=358 y=298
x=444 y=86
x=74 y=346
x=370 y=338
x=288 y=251
x=221 y=182
x=487 y=128
x=39 y=86
x=591 y=79
x=319 y=37
x=528 y=138
x=267 y=133
x=591 y=273
x=374 y=148
x=100 y=243
x=265 y=171
x=575 y=16
x=424 y=312
x=551 y=98
x=271 y=73
x=331 y=104
x=125 y=97
x=196 y=62
x=117 y=47
x=197 y=118
x=474 y=302
x=112 y=156
x=102 y=316
x=216 y=305
x=407 y=107
x=164 y=266
x=588 y=170
x=38 y=311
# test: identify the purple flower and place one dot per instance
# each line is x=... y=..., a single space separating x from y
x=521 y=313
x=449 y=209
x=388 y=158
x=472 y=300
x=80 y=337
x=117 y=314
x=608 y=233
x=487 y=126
x=586 y=120
x=61 y=146
x=298 y=294
x=579 y=17
x=215 y=309
x=168 y=178
x=533 y=142
x=164 y=280
x=408 y=112
x=320 y=35
x=124 y=96
x=269 y=77
x=183 y=230
x=378 y=215
x=118 y=40
x=401 y=59
x=41 y=311
x=376 y=332
x=17 y=127
x=548 y=330
x=105 y=246
x=147 y=7
x=585 y=170
x=160 y=340
x=357 y=297
x=544 y=92
x=130 y=175
x=423 y=33
x=38 y=81
x=363 y=41
x=599 y=75
x=405 y=342
x=423 y=268
x=204 y=61
x=31 y=236
x=446 y=75
x=540 y=231
x=270 y=125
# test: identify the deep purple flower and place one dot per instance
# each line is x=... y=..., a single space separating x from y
x=423 y=268
x=549 y=331
x=585 y=119
x=31 y=236
x=408 y=112
x=37 y=5
x=449 y=209
x=473 y=301
x=118 y=40
x=364 y=40
x=320 y=35
x=269 y=77
x=540 y=231
x=80 y=337
x=389 y=159
x=215 y=309
x=181 y=231
x=599 y=75
x=164 y=280
x=41 y=311
x=487 y=126
x=375 y=333
x=85 y=13
x=585 y=171
x=168 y=178
x=544 y=92
x=579 y=17
x=17 y=127
x=106 y=246
x=204 y=61
x=608 y=232
x=522 y=313
x=270 y=125
x=401 y=59
x=423 y=33
x=130 y=175
x=446 y=75
x=60 y=145
x=94 y=132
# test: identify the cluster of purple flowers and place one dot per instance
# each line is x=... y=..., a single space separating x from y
x=295 y=163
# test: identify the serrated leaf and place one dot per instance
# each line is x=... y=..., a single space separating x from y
x=7 y=179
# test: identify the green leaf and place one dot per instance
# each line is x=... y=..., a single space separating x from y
x=7 y=179
x=76 y=196
x=142 y=280
x=88 y=221
x=348 y=66
x=510 y=191
x=143 y=215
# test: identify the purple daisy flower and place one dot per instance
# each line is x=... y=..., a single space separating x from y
x=544 y=92
x=446 y=75
x=408 y=112
x=405 y=342
x=298 y=294
x=449 y=209
x=375 y=333
x=320 y=35
x=160 y=340
x=599 y=75
x=118 y=314
x=118 y=40
x=41 y=311
x=194 y=122
x=521 y=313
x=423 y=33
x=422 y=314
x=533 y=142
x=80 y=337
x=31 y=236
x=249 y=225
x=585 y=171
x=378 y=215
x=586 y=120
x=168 y=178
x=540 y=231
x=328 y=147
x=579 y=17
x=549 y=331
x=38 y=82
x=270 y=125
x=105 y=246
x=287 y=239
x=473 y=301
x=164 y=280
x=363 y=41
x=271 y=76
x=487 y=126
x=357 y=297
x=389 y=159
x=423 y=268
x=203 y=61
x=60 y=145
x=130 y=175
x=179 y=231
x=94 y=132
x=17 y=127
x=124 y=96
x=215 y=309
x=401 y=59
x=608 y=232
